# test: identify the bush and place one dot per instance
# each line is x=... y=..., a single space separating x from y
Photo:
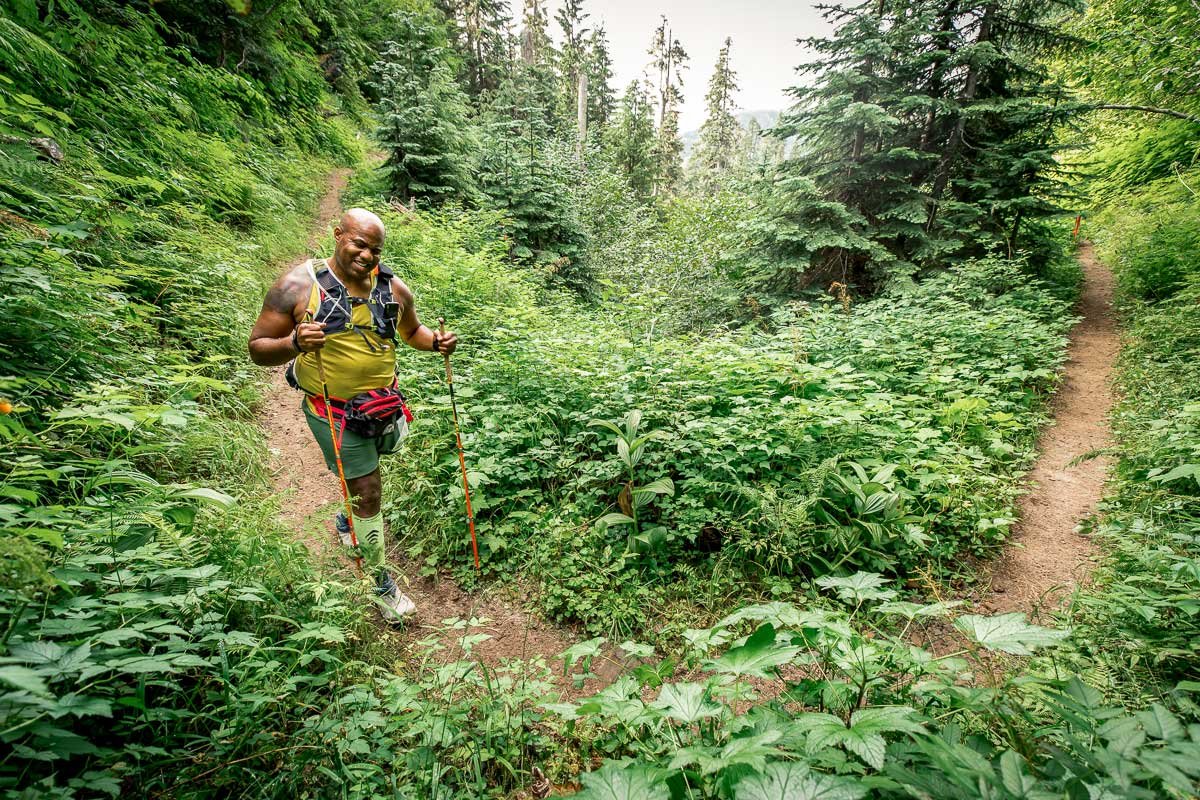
x=1152 y=240
x=886 y=439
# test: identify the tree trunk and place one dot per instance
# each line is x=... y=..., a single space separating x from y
x=581 y=106
x=950 y=154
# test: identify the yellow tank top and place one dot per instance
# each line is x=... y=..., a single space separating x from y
x=356 y=360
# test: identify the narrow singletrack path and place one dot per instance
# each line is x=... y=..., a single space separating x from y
x=311 y=498
x=1047 y=557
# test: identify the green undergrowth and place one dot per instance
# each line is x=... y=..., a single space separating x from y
x=626 y=477
x=833 y=700
x=154 y=624
x=1144 y=617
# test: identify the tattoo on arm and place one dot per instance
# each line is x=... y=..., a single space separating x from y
x=284 y=295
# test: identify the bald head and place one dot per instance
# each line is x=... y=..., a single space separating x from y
x=362 y=221
x=357 y=243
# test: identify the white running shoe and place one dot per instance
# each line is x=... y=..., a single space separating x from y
x=395 y=605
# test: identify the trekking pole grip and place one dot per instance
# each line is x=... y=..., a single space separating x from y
x=445 y=356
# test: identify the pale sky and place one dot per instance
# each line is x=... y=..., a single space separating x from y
x=764 y=52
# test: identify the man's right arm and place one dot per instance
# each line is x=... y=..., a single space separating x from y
x=271 y=341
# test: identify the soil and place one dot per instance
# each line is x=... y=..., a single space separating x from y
x=311 y=498
x=1048 y=556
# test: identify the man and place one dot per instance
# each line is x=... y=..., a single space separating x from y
x=349 y=309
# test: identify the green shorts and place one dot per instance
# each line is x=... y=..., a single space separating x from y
x=360 y=456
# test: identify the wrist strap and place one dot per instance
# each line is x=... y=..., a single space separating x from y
x=296 y=339
x=437 y=344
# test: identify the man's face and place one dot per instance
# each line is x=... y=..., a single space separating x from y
x=357 y=248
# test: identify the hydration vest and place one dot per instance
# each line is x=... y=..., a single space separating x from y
x=336 y=304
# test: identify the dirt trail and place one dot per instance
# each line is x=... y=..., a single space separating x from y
x=311 y=498
x=1048 y=557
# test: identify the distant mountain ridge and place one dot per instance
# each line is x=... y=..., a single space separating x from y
x=766 y=119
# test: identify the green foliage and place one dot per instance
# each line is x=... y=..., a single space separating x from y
x=1142 y=53
x=634 y=496
x=1142 y=622
x=926 y=136
x=721 y=134
x=1151 y=237
x=630 y=140
x=521 y=176
x=480 y=37
x=1148 y=59
x=424 y=113
x=663 y=270
x=883 y=439
x=1132 y=156
x=669 y=59
x=820 y=703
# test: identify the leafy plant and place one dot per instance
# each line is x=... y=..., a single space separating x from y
x=634 y=496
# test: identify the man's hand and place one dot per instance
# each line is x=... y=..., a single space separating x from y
x=446 y=342
x=311 y=336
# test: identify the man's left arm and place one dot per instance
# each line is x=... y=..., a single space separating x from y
x=410 y=329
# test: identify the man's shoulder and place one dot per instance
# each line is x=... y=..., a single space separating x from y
x=290 y=290
x=400 y=289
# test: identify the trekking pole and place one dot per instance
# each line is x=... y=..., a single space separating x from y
x=462 y=462
x=337 y=455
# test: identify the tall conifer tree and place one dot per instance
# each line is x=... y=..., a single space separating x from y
x=720 y=135
x=572 y=54
x=424 y=113
x=601 y=99
x=537 y=65
x=669 y=59
x=517 y=176
x=480 y=29
x=924 y=137
x=630 y=139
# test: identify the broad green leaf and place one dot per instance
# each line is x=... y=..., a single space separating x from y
x=1124 y=736
x=623 y=452
x=38 y=652
x=795 y=781
x=686 y=703
x=637 y=649
x=603 y=423
x=858 y=587
x=918 y=610
x=82 y=706
x=781 y=615
x=863 y=737
x=615 y=518
x=24 y=679
x=1008 y=633
x=17 y=493
x=1173 y=768
x=1160 y=723
x=1014 y=774
x=750 y=751
x=757 y=657
x=581 y=650
x=1181 y=472
x=705 y=639
x=885 y=719
x=786 y=615
x=661 y=486
x=614 y=782
x=633 y=421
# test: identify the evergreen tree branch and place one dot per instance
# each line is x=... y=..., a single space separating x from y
x=1149 y=110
